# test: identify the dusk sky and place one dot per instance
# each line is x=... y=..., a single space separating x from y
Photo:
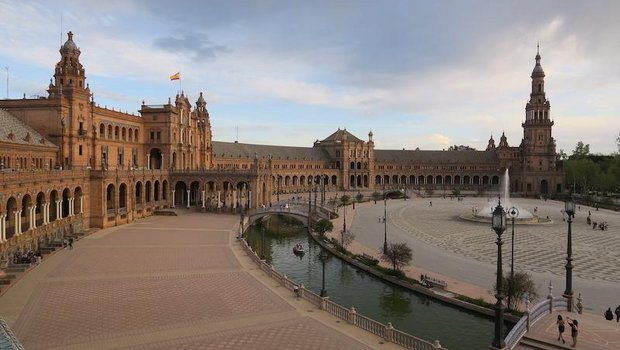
x=425 y=74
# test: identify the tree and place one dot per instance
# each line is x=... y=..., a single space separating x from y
x=581 y=150
x=359 y=197
x=345 y=199
x=346 y=238
x=618 y=141
x=397 y=254
x=522 y=285
x=376 y=196
x=323 y=226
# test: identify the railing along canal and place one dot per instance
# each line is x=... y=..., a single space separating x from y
x=387 y=332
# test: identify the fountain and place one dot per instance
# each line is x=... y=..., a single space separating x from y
x=524 y=215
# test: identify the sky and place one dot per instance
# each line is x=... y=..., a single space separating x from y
x=419 y=74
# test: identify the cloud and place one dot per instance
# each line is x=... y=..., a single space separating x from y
x=198 y=45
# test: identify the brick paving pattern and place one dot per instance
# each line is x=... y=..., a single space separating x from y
x=164 y=283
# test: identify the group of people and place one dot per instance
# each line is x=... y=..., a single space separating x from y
x=27 y=257
x=609 y=316
x=574 y=329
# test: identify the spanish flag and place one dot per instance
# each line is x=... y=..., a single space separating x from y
x=175 y=76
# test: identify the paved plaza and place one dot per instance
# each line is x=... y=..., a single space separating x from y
x=465 y=251
x=166 y=282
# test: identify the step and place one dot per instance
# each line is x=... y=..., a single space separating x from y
x=5 y=281
x=533 y=342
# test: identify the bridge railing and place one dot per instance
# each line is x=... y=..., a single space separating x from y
x=387 y=332
x=531 y=316
x=7 y=338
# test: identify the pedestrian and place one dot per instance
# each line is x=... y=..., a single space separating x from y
x=574 y=329
x=561 y=328
x=70 y=243
x=65 y=243
x=609 y=316
x=430 y=204
x=618 y=314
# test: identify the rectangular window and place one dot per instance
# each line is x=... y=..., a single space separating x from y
x=158 y=135
x=152 y=135
x=80 y=149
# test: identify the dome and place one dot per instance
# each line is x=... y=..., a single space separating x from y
x=69 y=44
x=201 y=100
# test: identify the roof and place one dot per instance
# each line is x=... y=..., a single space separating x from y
x=340 y=136
x=246 y=150
x=13 y=130
x=436 y=156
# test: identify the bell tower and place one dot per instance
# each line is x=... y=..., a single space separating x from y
x=69 y=75
x=538 y=145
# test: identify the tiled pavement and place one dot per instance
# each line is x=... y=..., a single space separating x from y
x=166 y=283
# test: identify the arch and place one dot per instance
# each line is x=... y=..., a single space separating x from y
x=264 y=193
x=138 y=195
x=156 y=195
x=334 y=180
x=485 y=180
x=135 y=135
x=38 y=211
x=310 y=180
x=194 y=193
x=116 y=132
x=429 y=179
x=352 y=180
x=11 y=207
x=359 y=165
x=466 y=180
x=295 y=183
x=155 y=158
x=66 y=194
x=395 y=179
x=386 y=179
x=101 y=130
x=110 y=133
x=495 y=180
x=77 y=200
x=403 y=179
x=544 y=187
x=174 y=160
x=148 y=191
x=302 y=180
x=378 y=180
x=352 y=167
x=123 y=133
x=53 y=211
x=421 y=180
x=366 y=181
x=358 y=182
x=448 y=180
x=287 y=181
x=130 y=134
x=180 y=194
x=110 y=198
x=411 y=179
x=439 y=179
x=457 y=179
x=476 y=180
x=122 y=198
x=164 y=190
x=25 y=212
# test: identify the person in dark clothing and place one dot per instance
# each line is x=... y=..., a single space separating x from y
x=618 y=314
x=609 y=316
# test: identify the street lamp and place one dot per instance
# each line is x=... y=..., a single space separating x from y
x=513 y=213
x=385 y=247
x=344 y=222
x=499 y=226
x=323 y=257
x=569 y=208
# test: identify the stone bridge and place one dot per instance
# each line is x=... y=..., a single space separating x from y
x=298 y=211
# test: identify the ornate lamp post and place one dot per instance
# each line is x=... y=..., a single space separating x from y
x=499 y=226
x=323 y=257
x=569 y=208
x=385 y=246
x=513 y=213
x=344 y=222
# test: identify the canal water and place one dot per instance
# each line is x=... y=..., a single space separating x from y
x=348 y=286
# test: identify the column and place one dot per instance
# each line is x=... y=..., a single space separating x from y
x=162 y=161
x=218 y=200
x=58 y=209
x=71 y=206
x=33 y=218
x=81 y=204
x=46 y=213
x=18 y=221
x=2 y=227
x=173 y=198
x=188 y=192
x=148 y=161
x=203 y=199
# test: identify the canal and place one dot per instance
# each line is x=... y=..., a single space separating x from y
x=348 y=286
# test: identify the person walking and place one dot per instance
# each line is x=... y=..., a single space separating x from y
x=70 y=243
x=609 y=316
x=618 y=314
x=561 y=328
x=574 y=329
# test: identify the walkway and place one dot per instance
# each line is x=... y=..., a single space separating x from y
x=595 y=333
x=166 y=282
